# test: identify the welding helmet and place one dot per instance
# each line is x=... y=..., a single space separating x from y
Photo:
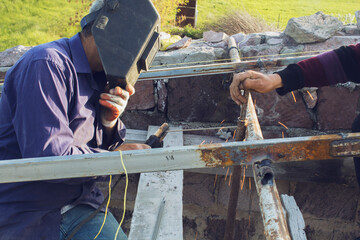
x=126 y=35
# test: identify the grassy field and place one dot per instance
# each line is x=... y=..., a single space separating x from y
x=277 y=12
x=31 y=22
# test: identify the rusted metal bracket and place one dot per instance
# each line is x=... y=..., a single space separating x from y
x=272 y=211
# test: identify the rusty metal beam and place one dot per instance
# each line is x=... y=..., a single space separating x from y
x=188 y=157
x=272 y=211
x=239 y=136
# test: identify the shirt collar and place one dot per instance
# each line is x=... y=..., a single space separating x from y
x=79 y=58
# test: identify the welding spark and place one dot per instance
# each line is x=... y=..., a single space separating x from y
x=243 y=180
x=230 y=179
x=310 y=95
x=249 y=184
x=202 y=142
x=215 y=180
x=221 y=129
x=226 y=173
x=234 y=134
x=283 y=125
x=293 y=96
x=282 y=133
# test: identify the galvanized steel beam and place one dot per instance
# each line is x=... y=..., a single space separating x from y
x=218 y=68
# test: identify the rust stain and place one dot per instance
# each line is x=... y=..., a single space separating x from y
x=214 y=155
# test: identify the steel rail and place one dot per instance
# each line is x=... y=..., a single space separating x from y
x=218 y=68
x=175 y=158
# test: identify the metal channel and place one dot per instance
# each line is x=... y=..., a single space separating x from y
x=218 y=68
x=176 y=158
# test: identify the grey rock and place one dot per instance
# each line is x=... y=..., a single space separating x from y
x=10 y=56
x=357 y=16
x=290 y=50
x=214 y=37
x=351 y=30
x=315 y=28
x=274 y=41
x=260 y=50
x=332 y=43
x=239 y=38
x=189 y=56
x=183 y=43
x=254 y=39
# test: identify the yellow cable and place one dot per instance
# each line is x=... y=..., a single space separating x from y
x=126 y=186
x=106 y=210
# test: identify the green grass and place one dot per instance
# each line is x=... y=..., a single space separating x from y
x=277 y=12
x=32 y=22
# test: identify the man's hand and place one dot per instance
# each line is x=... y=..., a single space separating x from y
x=254 y=81
x=132 y=146
x=113 y=104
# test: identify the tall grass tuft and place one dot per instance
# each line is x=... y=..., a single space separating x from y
x=239 y=21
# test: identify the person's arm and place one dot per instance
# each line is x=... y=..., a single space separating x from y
x=337 y=66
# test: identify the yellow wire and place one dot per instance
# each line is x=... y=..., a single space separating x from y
x=106 y=210
x=126 y=186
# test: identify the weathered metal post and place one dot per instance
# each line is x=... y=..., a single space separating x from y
x=240 y=136
x=272 y=211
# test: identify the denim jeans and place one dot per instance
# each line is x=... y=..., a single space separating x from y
x=74 y=216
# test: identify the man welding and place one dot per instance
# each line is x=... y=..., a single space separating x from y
x=63 y=98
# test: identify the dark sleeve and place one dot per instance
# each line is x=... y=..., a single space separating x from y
x=337 y=66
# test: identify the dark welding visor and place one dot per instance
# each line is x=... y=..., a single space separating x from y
x=126 y=35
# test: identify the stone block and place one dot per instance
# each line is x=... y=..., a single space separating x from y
x=143 y=98
x=351 y=30
x=272 y=109
x=212 y=36
x=337 y=107
x=10 y=56
x=183 y=43
x=201 y=99
x=198 y=189
x=333 y=201
x=315 y=28
x=142 y=119
x=260 y=50
x=332 y=43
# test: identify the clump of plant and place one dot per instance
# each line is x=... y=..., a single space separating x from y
x=239 y=21
x=188 y=31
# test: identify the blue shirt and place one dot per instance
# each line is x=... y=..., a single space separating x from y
x=49 y=107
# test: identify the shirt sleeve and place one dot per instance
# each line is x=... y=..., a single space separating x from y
x=41 y=119
x=337 y=66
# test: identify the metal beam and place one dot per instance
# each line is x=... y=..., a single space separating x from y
x=272 y=211
x=175 y=158
x=218 y=68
